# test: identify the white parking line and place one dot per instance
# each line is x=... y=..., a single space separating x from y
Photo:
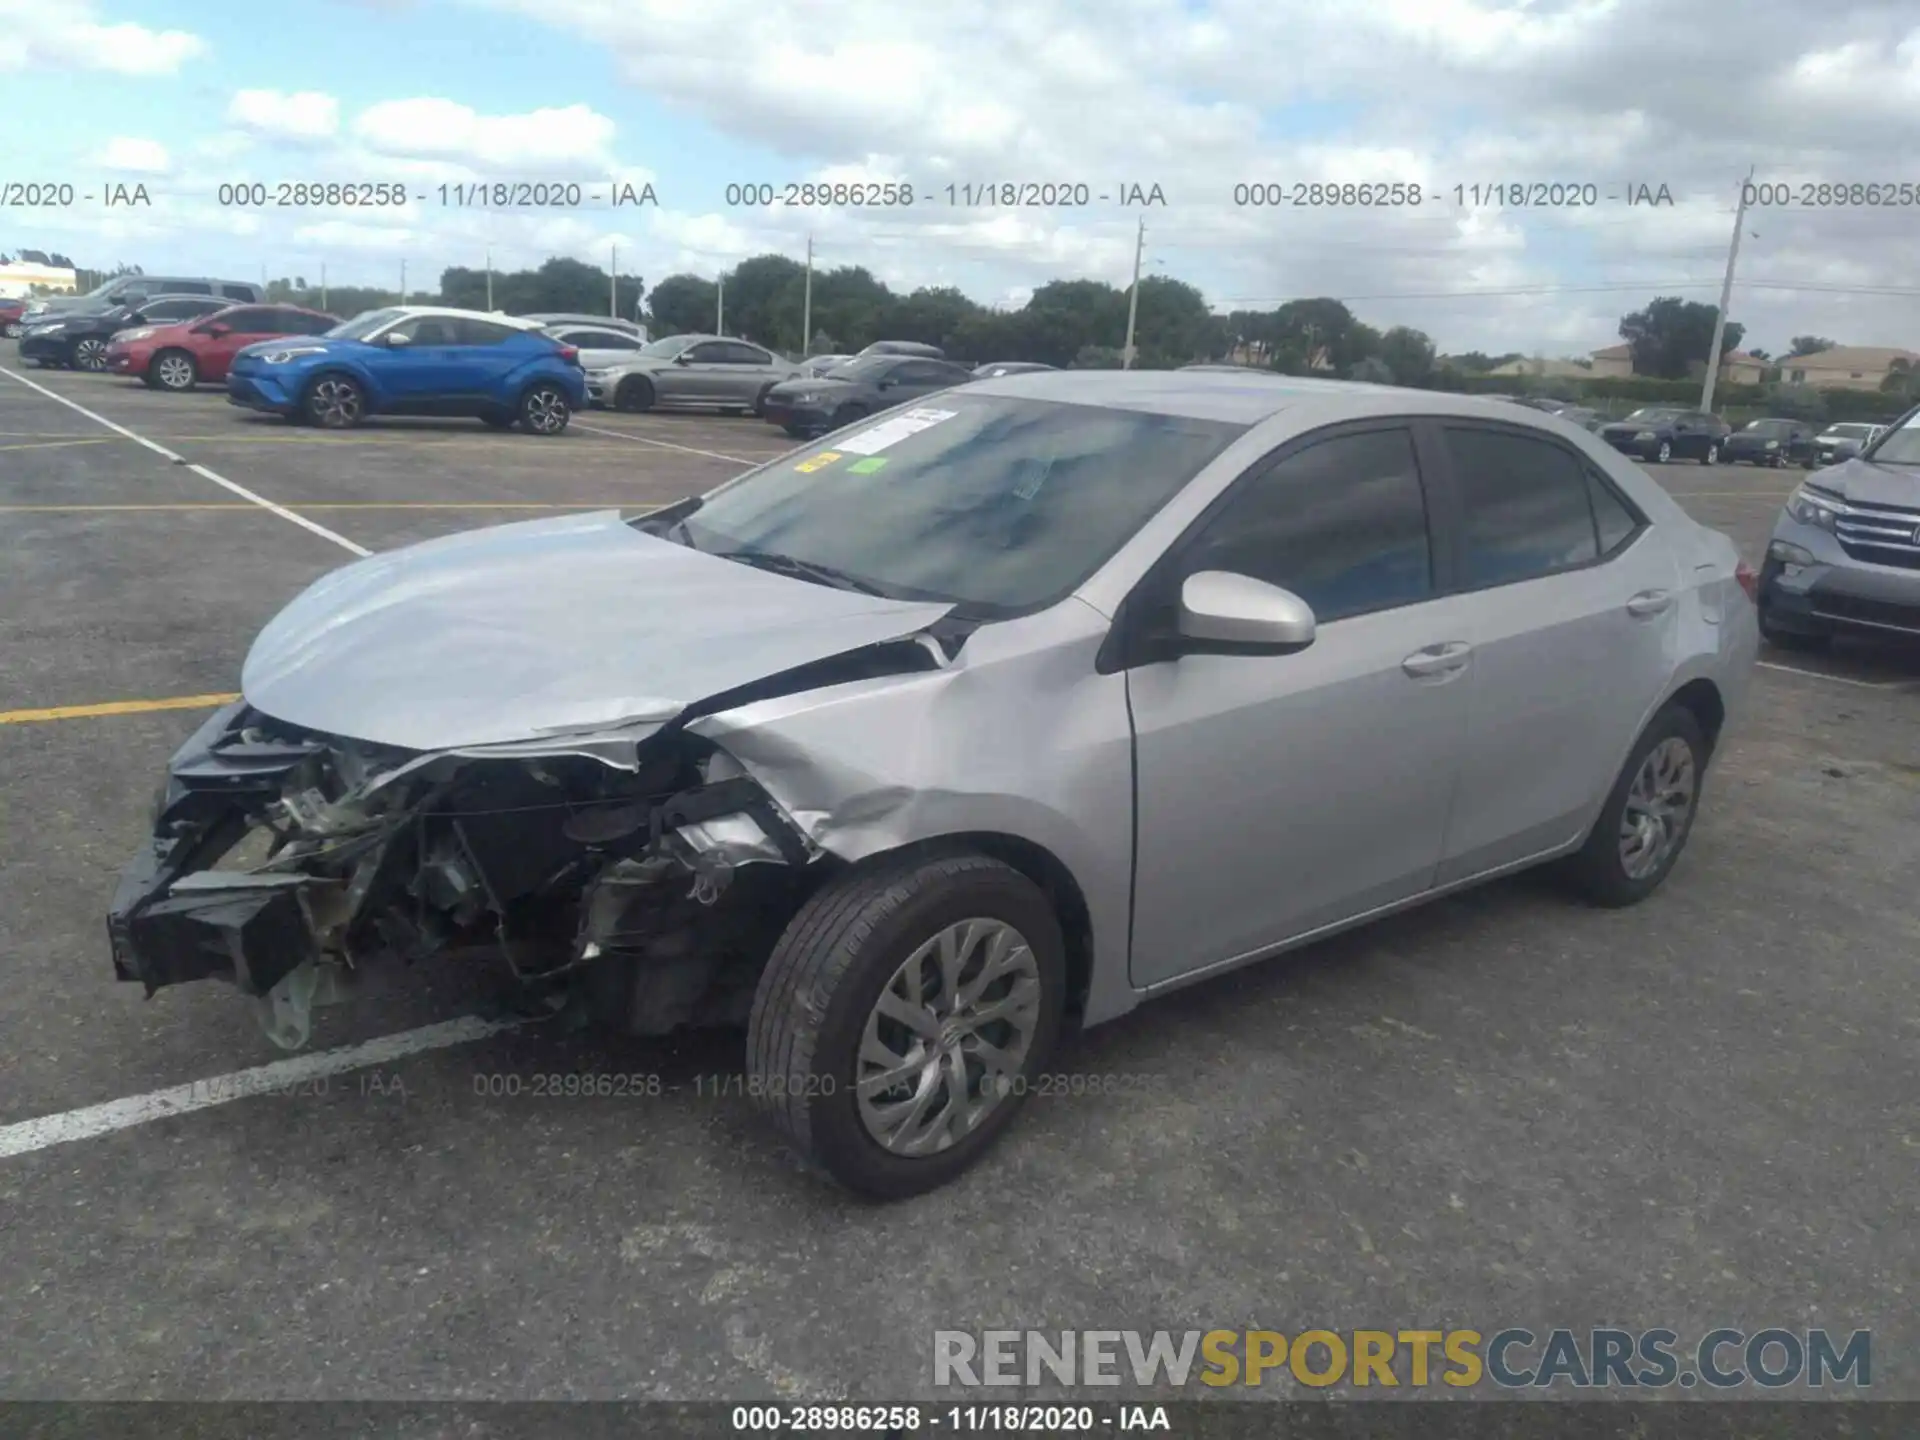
x=200 y=470
x=667 y=445
x=1836 y=679
x=281 y=1077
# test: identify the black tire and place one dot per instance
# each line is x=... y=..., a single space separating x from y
x=334 y=402
x=1712 y=457
x=169 y=380
x=544 y=410
x=634 y=395
x=795 y=432
x=1665 y=453
x=1597 y=869
x=88 y=355
x=824 y=979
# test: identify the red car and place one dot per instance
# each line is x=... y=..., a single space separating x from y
x=10 y=313
x=195 y=352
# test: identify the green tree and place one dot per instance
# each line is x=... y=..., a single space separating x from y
x=1408 y=353
x=765 y=300
x=1902 y=379
x=1795 y=402
x=1173 y=325
x=1308 y=334
x=1671 y=335
x=1372 y=370
x=681 y=305
x=1807 y=345
x=850 y=303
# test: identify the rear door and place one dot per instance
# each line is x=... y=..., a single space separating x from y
x=914 y=378
x=1573 y=608
x=241 y=327
x=747 y=370
x=698 y=375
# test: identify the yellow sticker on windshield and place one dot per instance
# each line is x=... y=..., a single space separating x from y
x=817 y=462
x=868 y=465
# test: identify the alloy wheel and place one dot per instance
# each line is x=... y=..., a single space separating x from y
x=1713 y=454
x=335 y=403
x=90 y=355
x=545 y=411
x=1659 y=807
x=176 y=372
x=1666 y=452
x=947 y=1038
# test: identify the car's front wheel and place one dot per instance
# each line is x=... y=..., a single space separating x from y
x=336 y=402
x=1712 y=457
x=172 y=370
x=634 y=395
x=1665 y=452
x=1648 y=815
x=90 y=354
x=903 y=1017
x=11 y=329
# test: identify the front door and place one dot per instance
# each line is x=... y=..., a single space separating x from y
x=1280 y=794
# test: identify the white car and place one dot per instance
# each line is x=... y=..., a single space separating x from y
x=601 y=347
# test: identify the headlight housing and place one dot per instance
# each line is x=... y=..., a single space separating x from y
x=808 y=397
x=139 y=334
x=51 y=328
x=1812 y=509
x=1645 y=435
x=281 y=357
x=1773 y=444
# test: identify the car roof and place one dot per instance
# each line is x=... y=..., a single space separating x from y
x=497 y=317
x=1212 y=395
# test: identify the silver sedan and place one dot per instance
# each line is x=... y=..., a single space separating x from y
x=1033 y=699
x=707 y=372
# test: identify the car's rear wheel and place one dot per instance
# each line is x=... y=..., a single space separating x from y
x=1712 y=457
x=544 y=410
x=1648 y=815
x=172 y=370
x=634 y=395
x=90 y=354
x=335 y=402
x=903 y=1016
x=1665 y=452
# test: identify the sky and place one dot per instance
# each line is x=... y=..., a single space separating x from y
x=1195 y=97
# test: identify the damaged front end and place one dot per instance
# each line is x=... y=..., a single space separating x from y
x=645 y=874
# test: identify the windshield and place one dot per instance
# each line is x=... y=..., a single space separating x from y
x=362 y=325
x=997 y=505
x=668 y=348
x=1769 y=427
x=1851 y=432
x=1653 y=412
x=866 y=367
x=1901 y=446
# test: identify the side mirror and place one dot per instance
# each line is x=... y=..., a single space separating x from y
x=1241 y=615
x=218 y=330
x=683 y=358
x=394 y=340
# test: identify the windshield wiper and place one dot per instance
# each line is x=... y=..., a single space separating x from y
x=800 y=569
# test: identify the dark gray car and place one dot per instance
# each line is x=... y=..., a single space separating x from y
x=705 y=372
x=855 y=390
x=134 y=289
x=1845 y=552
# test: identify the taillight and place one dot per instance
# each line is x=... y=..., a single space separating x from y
x=1749 y=581
x=570 y=353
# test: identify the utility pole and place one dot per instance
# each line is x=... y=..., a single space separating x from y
x=806 y=306
x=720 y=306
x=403 y=282
x=1726 y=296
x=323 y=284
x=489 y=277
x=613 y=281
x=1133 y=293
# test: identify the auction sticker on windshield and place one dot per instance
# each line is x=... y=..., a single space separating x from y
x=817 y=462
x=873 y=464
x=892 y=432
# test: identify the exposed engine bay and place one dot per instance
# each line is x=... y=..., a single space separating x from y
x=284 y=861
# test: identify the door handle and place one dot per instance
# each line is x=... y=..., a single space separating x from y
x=1449 y=658
x=1649 y=602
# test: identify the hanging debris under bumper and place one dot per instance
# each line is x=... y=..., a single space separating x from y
x=278 y=853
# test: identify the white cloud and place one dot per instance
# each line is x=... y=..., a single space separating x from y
x=67 y=35
x=438 y=129
x=302 y=115
x=134 y=155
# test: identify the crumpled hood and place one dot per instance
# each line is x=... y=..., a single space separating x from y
x=1871 y=484
x=527 y=630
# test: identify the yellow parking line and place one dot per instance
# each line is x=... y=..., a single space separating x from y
x=115 y=707
x=56 y=444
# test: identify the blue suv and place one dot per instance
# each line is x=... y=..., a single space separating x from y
x=415 y=360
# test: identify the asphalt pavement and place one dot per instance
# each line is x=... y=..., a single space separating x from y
x=1503 y=1109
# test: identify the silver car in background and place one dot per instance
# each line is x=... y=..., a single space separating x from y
x=1019 y=704
x=601 y=346
x=706 y=372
